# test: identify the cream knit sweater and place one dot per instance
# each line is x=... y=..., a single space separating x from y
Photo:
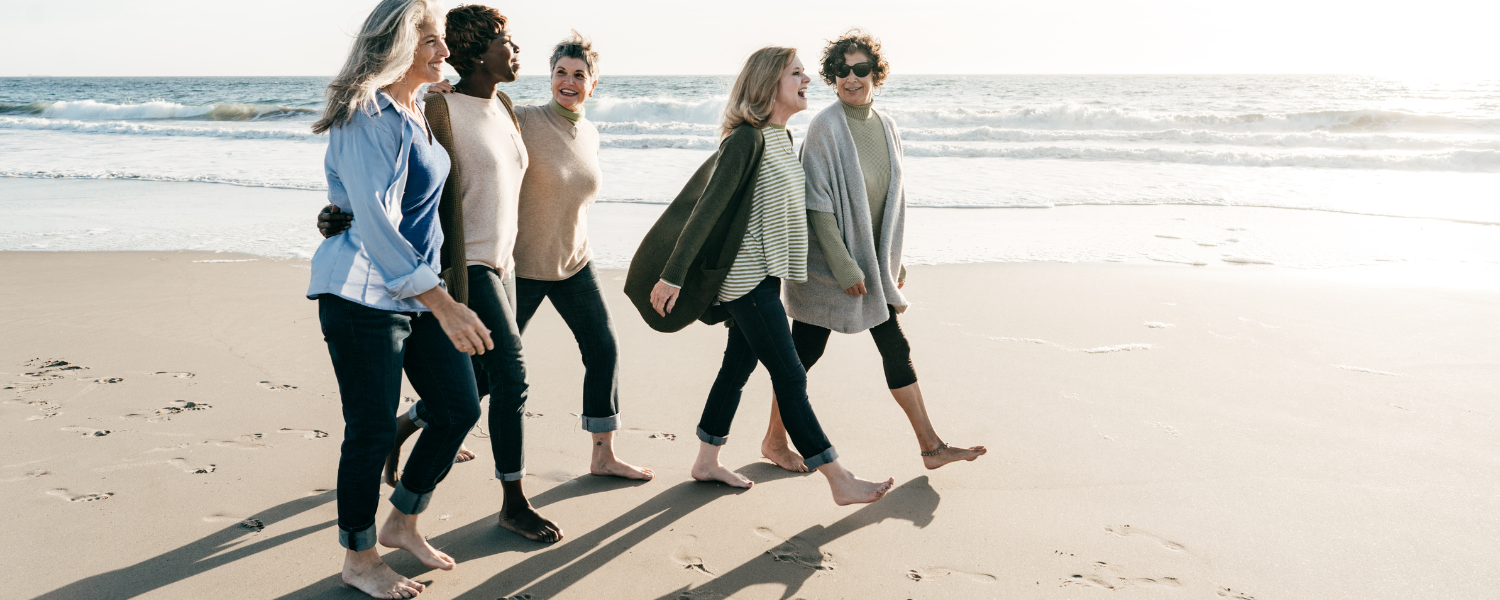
x=494 y=160
x=561 y=182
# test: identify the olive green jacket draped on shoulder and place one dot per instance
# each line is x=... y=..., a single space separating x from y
x=695 y=241
x=455 y=272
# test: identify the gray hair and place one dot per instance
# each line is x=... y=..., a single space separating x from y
x=579 y=47
x=380 y=56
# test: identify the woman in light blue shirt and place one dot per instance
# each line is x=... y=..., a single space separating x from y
x=380 y=301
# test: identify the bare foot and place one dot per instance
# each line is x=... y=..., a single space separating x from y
x=779 y=452
x=365 y=572
x=400 y=531
x=530 y=524
x=464 y=455
x=618 y=468
x=604 y=462
x=848 y=489
x=952 y=454
x=718 y=472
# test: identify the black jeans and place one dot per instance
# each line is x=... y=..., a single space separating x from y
x=506 y=307
x=759 y=333
x=895 y=351
x=370 y=348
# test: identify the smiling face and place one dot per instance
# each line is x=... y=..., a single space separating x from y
x=854 y=89
x=571 y=83
x=427 y=64
x=502 y=59
x=791 y=90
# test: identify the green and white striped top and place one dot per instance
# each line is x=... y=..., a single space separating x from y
x=776 y=238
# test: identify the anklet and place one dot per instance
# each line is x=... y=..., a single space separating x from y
x=935 y=451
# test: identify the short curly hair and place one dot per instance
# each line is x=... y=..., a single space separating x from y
x=850 y=41
x=471 y=30
x=578 y=46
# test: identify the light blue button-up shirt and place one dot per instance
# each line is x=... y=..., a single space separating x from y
x=371 y=263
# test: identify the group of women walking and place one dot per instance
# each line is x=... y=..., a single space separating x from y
x=453 y=218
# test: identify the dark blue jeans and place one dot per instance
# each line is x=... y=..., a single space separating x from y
x=579 y=300
x=370 y=348
x=506 y=307
x=759 y=332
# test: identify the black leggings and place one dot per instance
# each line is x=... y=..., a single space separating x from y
x=895 y=351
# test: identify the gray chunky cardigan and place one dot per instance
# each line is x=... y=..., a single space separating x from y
x=835 y=184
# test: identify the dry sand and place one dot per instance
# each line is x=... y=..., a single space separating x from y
x=1154 y=432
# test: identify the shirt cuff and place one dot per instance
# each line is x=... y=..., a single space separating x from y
x=674 y=286
x=418 y=282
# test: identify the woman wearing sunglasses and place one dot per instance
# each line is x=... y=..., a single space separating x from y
x=857 y=211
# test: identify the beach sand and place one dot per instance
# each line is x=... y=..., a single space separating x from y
x=171 y=429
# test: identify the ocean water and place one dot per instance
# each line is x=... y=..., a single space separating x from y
x=1341 y=145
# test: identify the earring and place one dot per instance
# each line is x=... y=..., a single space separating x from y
x=481 y=61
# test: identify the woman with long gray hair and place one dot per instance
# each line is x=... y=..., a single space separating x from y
x=381 y=303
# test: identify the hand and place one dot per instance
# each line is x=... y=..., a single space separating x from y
x=664 y=297
x=857 y=289
x=332 y=221
x=901 y=284
x=441 y=87
x=463 y=327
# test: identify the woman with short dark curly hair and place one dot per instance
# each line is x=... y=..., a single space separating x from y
x=856 y=205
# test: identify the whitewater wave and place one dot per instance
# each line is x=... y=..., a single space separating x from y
x=286 y=184
x=152 y=128
x=93 y=110
x=1486 y=161
x=1081 y=117
x=1314 y=139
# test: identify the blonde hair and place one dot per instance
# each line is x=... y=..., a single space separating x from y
x=754 y=91
x=380 y=56
x=580 y=47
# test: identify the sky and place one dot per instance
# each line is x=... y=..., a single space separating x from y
x=1438 y=38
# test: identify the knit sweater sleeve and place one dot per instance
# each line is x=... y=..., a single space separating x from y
x=831 y=240
x=735 y=164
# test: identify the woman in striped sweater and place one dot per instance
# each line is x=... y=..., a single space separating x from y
x=755 y=157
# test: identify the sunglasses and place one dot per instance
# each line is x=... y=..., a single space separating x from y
x=860 y=70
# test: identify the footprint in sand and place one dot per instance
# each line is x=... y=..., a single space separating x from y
x=165 y=413
x=653 y=434
x=88 y=431
x=249 y=441
x=1110 y=577
x=684 y=556
x=175 y=374
x=26 y=475
x=797 y=551
x=48 y=409
x=531 y=415
x=71 y=497
x=1225 y=592
x=311 y=434
x=275 y=387
x=50 y=368
x=110 y=380
x=255 y=525
x=1128 y=531
x=174 y=462
x=928 y=573
x=24 y=388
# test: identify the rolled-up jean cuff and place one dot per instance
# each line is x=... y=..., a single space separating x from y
x=827 y=456
x=358 y=541
x=510 y=476
x=409 y=502
x=711 y=439
x=415 y=418
x=601 y=424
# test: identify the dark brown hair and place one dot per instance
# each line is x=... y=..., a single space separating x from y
x=471 y=30
x=854 y=39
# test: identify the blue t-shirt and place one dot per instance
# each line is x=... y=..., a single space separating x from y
x=428 y=170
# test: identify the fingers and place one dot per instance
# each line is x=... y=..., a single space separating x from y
x=671 y=302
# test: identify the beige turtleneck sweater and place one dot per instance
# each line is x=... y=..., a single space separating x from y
x=561 y=182
x=875 y=168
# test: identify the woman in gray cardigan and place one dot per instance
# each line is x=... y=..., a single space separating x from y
x=857 y=212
